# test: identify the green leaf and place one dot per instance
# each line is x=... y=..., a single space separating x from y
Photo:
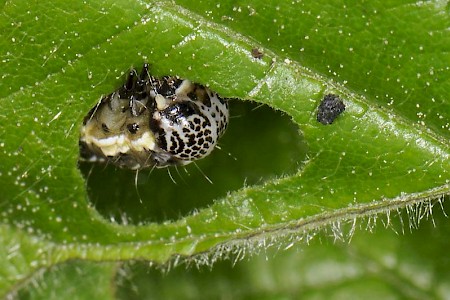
x=389 y=150
x=375 y=265
x=74 y=280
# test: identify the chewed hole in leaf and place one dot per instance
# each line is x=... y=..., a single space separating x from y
x=260 y=144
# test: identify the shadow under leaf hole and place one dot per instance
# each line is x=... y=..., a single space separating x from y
x=259 y=144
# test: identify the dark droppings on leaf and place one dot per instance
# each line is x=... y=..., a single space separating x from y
x=329 y=109
x=256 y=53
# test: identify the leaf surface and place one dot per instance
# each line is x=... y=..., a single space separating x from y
x=388 y=62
